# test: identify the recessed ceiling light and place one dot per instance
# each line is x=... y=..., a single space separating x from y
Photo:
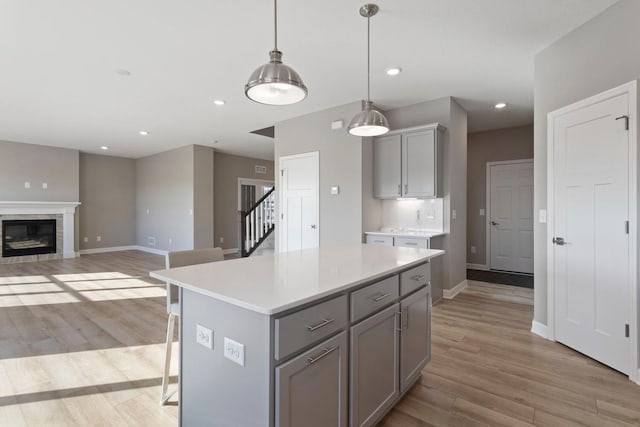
x=104 y=147
x=143 y=133
x=219 y=101
x=122 y=72
x=500 y=105
x=394 y=71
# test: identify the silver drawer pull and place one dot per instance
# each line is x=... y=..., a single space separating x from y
x=378 y=241
x=380 y=298
x=322 y=324
x=411 y=243
x=325 y=353
x=417 y=277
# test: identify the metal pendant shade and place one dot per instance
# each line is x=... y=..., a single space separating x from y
x=275 y=83
x=369 y=121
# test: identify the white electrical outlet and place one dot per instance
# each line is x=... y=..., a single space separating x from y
x=170 y=241
x=148 y=211
x=45 y=185
x=335 y=190
x=481 y=212
x=27 y=185
x=151 y=240
x=204 y=336
x=191 y=212
x=473 y=249
x=99 y=238
x=454 y=214
x=234 y=351
x=337 y=124
x=221 y=239
x=86 y=239
x=543 y=216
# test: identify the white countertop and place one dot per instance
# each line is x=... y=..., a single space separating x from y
x=270 y=284
x=421 y=234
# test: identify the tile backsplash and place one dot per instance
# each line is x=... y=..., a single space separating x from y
x=423 y=214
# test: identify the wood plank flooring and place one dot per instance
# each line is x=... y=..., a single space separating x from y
x=81 y=344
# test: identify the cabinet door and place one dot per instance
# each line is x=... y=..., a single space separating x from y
x=419 y=163
x=415 y=336
x=374 y=366
x=386 y=167
x=311 y=389
x=374 y=239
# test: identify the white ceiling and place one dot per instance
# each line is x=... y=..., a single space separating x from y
x=58 y=62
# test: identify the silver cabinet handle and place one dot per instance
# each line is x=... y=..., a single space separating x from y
x=381 y=297
x=378 y=241
x=404 y=320
x=400 y=189
x=325 y=353
x=411 y=243
x=406 y=188
x=399 y=321
x=322 y=324
x=417 y=277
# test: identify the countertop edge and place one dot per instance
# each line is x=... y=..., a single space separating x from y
x=400 y=234
x=279 y=309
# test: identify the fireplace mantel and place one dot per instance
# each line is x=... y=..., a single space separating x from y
x=66 y=209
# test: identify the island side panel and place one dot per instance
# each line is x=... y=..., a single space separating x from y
x=215 y=391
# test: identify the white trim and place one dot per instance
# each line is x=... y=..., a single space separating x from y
x=151 y=250
x=230 y=251
x=483 y=267
x=487 y=202
x=539 y=329
x=110 y=249
x=631 y=89
x=451 y=293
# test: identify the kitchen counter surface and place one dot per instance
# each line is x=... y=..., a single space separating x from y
x=422 y=234
x=270 y=284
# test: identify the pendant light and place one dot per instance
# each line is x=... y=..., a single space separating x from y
x=369 y=121
x=275 y=83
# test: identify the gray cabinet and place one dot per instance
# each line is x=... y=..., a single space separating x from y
x=415 y=336
x=311 y=389
x=374 y=366
x=386 y=166
x=408 y=163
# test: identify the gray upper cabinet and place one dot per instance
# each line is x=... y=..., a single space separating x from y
x=374 y=366
x=415 y=336
x=387 y=162
x=408 y=163
x=311 y=389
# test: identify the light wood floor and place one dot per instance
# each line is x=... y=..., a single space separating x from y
x=81 y=343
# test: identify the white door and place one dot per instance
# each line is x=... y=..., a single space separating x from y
x=511 y=216
x=590 y=210
x=299 y=186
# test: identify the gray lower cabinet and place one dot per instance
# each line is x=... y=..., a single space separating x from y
x=415 y=336
x=374 y=366
x=311 y=389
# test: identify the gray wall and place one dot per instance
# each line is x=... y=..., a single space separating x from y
x=490 y=146
x=340 y=164
x=108 y=196
x=372 y=208
x=164 y=199
x=601 y=54
x=203 y=196
x=449 y=114
x=58 y=167
x=228 y=169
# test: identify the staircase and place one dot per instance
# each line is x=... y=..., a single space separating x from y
x=257 y=223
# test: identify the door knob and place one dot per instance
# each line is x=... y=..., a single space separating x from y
x=313 y=226
x=494 y=223
x=559 y=241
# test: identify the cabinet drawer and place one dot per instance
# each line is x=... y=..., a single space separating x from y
x=379 y=240
x=299 y=329
x=373 y=297
x=413 y=279
x=411 y=242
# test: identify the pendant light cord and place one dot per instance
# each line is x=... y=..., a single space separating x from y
x=275 y=24
x=368 y=58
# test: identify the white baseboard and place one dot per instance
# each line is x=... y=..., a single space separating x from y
x=539 y=329
x=151 y=250
x=637 y=381
x=231 y=251
x=451 y=293
x=483 y=267
x=111 y=249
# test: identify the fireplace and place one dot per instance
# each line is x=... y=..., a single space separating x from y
x=28 y=237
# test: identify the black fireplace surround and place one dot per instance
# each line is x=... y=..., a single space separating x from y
x=28 y=237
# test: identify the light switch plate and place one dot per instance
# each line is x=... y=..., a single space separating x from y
x=337 y=124
x=335 y=190
x=481 y=212
x=454 y=214
x=234 y=351
x=45 y=185
x=543 y=216
x=204 y=337
x=27 y=185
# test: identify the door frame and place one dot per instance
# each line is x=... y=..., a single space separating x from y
x=280 y=194
x=630 y=89
x=488 y=204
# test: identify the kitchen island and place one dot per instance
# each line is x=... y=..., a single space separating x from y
x=330 y=336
